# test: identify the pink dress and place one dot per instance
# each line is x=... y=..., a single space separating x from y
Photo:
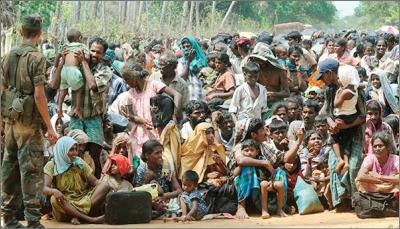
x=390 y=168
x=141 y=107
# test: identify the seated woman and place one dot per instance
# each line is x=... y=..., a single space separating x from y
x=152 y=151
x=75 y=192
x=379 y=171
x=202 y=154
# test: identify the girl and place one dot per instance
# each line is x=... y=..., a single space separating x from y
x=225 y=84
x=117 y=167
x=374 y=123
x=293 y=171
x=298 y=73
x=379 y=89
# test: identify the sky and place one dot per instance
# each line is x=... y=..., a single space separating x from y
x=345 y=8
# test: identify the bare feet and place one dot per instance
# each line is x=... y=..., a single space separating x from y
x=241 y=212
x=339 y=166
x=97 y=220
x=281 y=213
x=265 y=214
x=75 y=221
x=346 y=167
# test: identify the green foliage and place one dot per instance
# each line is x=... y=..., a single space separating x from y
x=374 y=14
x=44 y=7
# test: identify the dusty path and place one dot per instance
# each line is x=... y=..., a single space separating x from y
x=327 y=219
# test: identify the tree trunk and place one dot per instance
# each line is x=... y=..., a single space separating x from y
x=120 y=15
x=162 y=16
x=95 y=7
x=227 y=13
x=184 y=12
x=214 y=5
x=54 y=24
x=147 y=18
x=76 y=11
x=139 y=13
x=125 y=10
x=104 y=18
x=133 y=15
x=191 y=15
x=197 y=16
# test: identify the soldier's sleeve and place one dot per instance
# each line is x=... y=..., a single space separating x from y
x=102 y=77
x=38 y=70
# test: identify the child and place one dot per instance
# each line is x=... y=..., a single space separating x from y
x=118 y=168
x=320 y=181
x=281 y=54
x=247 y=179
x=249 y=99
x=209 y=74
x=71 y=76
x=293 y=171
x=321 y=126
x=190 y=199
x=345 y=111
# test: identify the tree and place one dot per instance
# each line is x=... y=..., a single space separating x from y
x=45 y=8
x=373 y=14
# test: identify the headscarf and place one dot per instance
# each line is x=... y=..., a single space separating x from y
x=79 y=136
x=200 y=60
x=121 y=138
x=385 y=90
x=122 y=164
x=61 y=159
x=244 y=41
x=197 y=154
x=371 y=128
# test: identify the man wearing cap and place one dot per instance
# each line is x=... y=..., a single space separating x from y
x=96 y=85
x=328 y=72
x=294 y=38
x=273 y=76
x=24 y=109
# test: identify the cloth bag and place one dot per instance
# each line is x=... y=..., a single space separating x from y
x=376 y=205
x=306 y=198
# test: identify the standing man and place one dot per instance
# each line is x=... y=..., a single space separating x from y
x=96 y=84
x=24 y=109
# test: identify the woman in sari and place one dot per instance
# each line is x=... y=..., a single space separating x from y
x=202 y=154
x=75 y=192
x=379 y=171
x=193 y=60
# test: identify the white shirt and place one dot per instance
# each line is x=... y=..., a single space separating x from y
x=186 y=130
x=243 y=104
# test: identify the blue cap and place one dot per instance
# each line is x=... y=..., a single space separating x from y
x=327 y=65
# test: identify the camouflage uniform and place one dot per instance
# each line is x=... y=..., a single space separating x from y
x=22 y=167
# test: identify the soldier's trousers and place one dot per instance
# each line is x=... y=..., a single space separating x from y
x=22 y=170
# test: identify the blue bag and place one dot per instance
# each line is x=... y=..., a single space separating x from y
x=306 y=198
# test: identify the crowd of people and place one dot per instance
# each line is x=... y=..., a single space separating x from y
x=233 y=125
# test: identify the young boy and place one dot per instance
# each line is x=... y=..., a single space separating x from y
x=71 y=76
x=209 y=74
x=190 y=199
x=321 y=126
x=249 y=178
x=249 y=99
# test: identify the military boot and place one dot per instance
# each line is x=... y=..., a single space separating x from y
x=12 y=223
x=34 y=224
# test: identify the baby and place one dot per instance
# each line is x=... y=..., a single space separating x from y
x=191 y=199
x=71 y=76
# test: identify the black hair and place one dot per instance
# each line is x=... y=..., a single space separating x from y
x=148 y=148
x=170 y=58
x=361 y=71
x=308 y=136
x=386 y=139
x=249 y=143
x=31 y=26
x=112 y=46
x=393 y=121
x=277 y=124
x=73 y=35
x=329 y=39
x=251 y=66
x=255 y=125
x=100 y=41
x=298 y=164
x=295 y=100
x=132 y=70
x=279 y=105
x=321 y=119
x=224 y=116
x=211 y=56
x=313 y=104
x=359 y=50
x=294 y=48
x=224 y=58
x=191 y=175
x=194 y=105
x=341 y=42
x=374 y=105
x=307 y=42
x=389 y=37
x=381 y=39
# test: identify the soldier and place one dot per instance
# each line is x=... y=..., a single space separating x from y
x=24 y=109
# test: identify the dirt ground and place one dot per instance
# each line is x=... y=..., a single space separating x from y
x=327 y=219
